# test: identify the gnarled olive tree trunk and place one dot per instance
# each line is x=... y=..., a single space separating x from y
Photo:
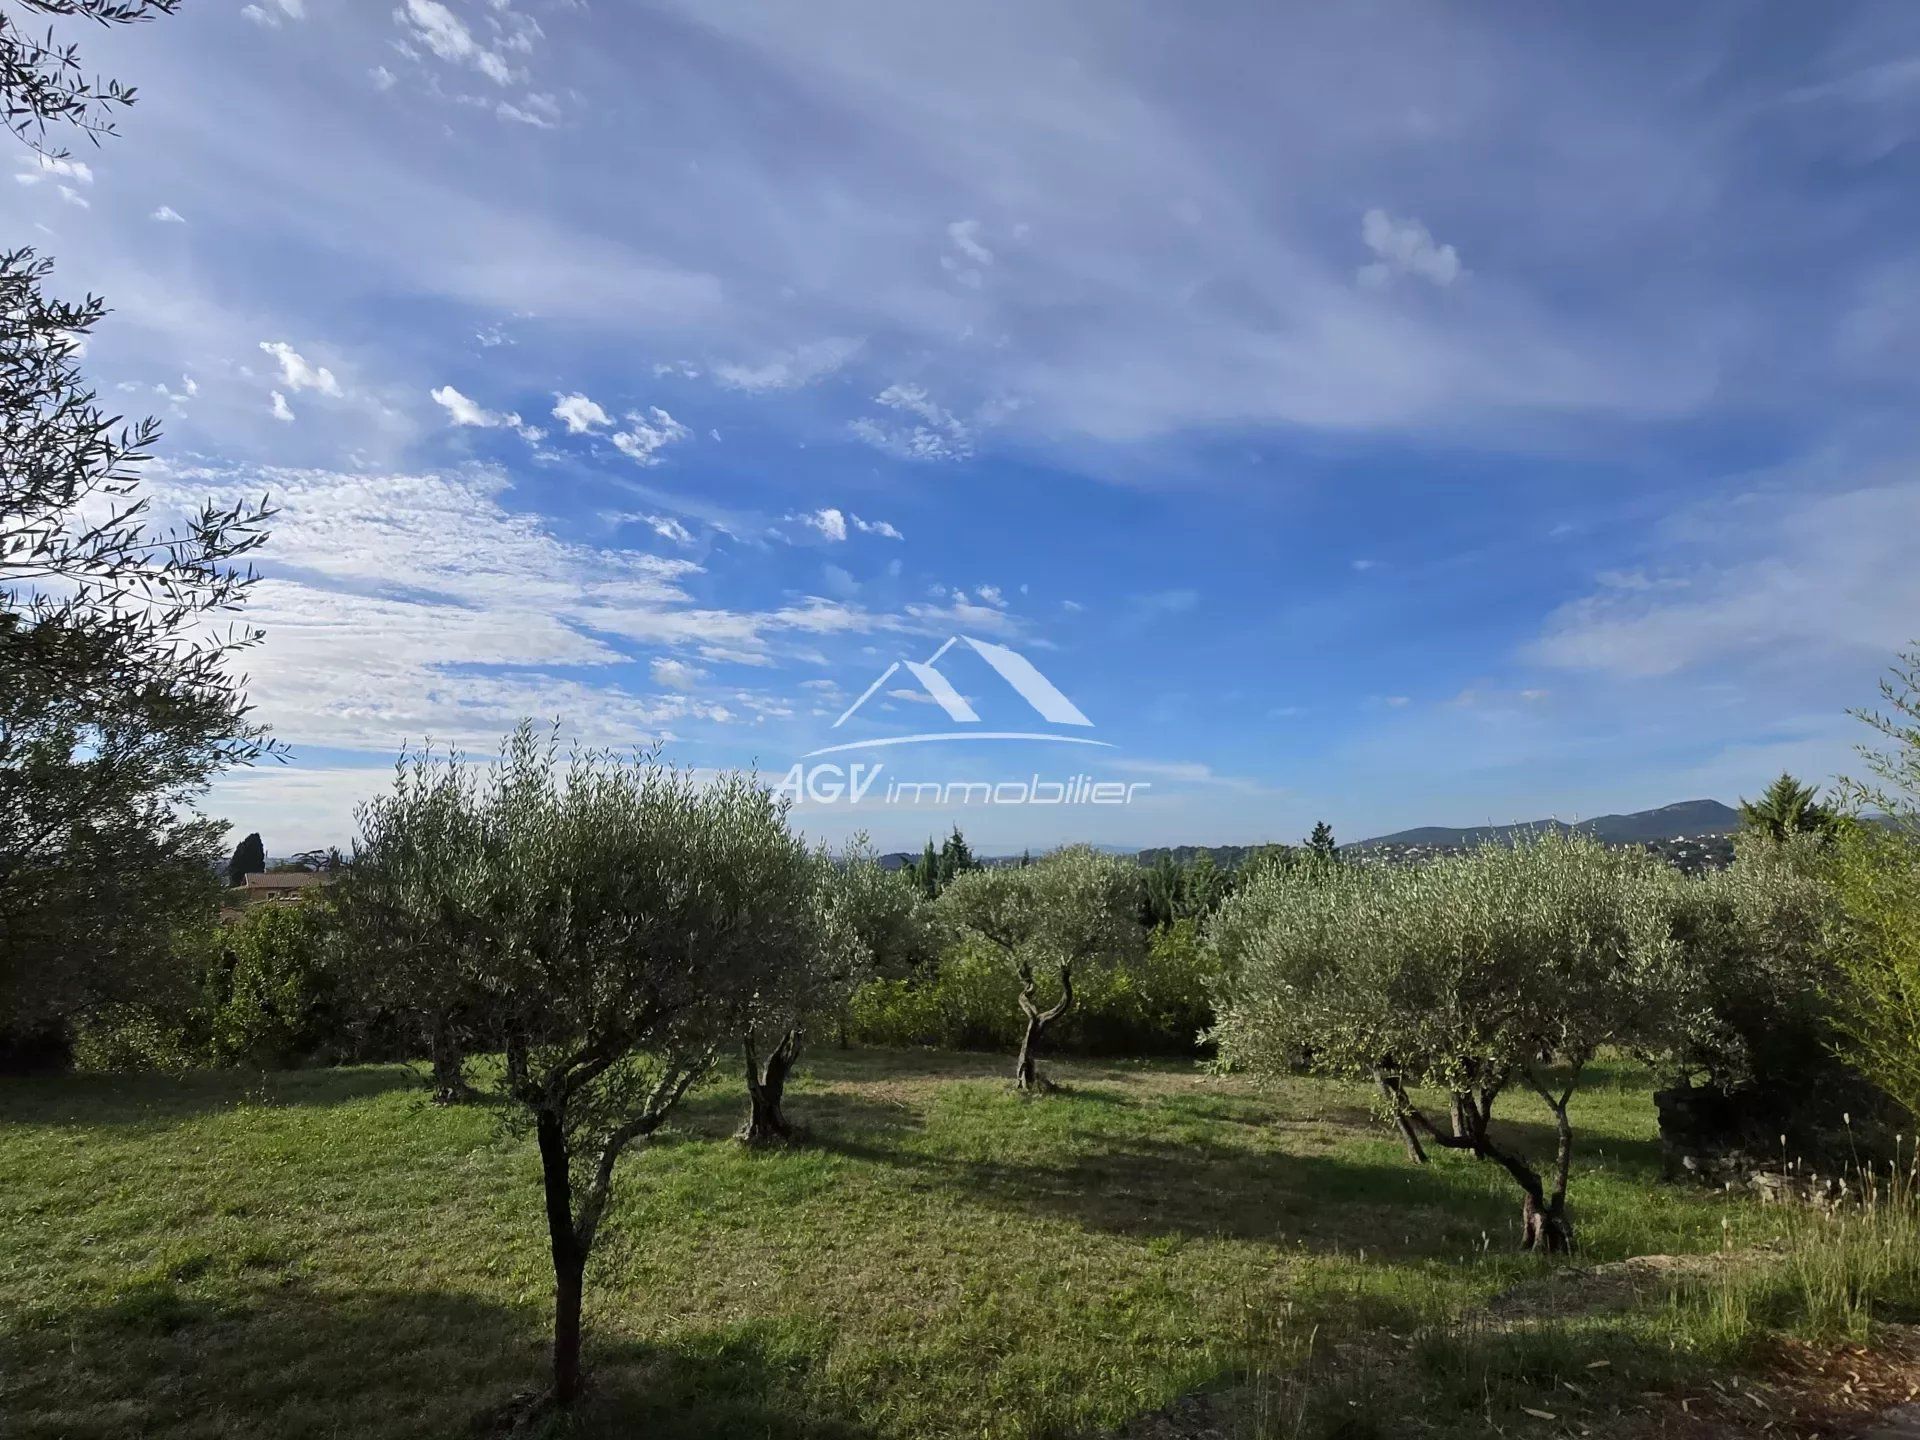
x=1544 y=1216
x=1026 y=1076
x=1388 y=1080
x=767 y=1088
x=1544 y=1223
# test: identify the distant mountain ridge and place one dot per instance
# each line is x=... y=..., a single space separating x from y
x=1690 y=819
x=1669 y=822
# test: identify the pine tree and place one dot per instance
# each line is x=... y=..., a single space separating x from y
x=1787 y=808
x=926 y=874
x=1320 y=843
x=955 y=857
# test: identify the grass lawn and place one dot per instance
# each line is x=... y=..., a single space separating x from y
x=323 y=1253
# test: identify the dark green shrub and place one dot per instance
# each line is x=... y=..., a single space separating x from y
x=273 y=998
x=1157 y=1004
x=259 y=989
x=170 y=1027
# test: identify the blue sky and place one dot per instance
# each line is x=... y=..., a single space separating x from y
x=1396 y=413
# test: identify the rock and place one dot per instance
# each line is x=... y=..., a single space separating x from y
x=1798 y=1187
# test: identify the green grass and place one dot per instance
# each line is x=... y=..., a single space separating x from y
x=323 y=1253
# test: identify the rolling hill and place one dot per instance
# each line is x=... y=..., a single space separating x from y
x=1669 y=822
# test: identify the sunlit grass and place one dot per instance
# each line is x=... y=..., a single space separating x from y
x=324 y=1253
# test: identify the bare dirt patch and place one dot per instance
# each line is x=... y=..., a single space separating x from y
x=1569 y=1290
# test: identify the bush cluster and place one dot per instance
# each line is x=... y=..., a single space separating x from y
x=261 y=990
x=1155 y=1004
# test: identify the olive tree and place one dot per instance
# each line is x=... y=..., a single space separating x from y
x=772 y=1021
x=870 y=923
x=1472 y=974
x=118 y=696
x=1877 y=955
x=418 y=881
x=1877 y=939
x=1048 y=918
x=609 y=916
x=44 y=86
x=1756 y=934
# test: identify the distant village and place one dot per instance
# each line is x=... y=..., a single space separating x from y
x=1689 y=854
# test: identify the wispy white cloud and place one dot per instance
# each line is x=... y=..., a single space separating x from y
x=835 y=524
x=788 y=370
x=933 y=433
x=1189 y=772
x=168 y=215
x=968 y=258
x=476 y=610
x=830 y=523
x=296 y=374
x=429 y=23
x=665 y=526
x=1211 y=307
x=274 y=13
x=676 y=674
x=1794 y=580
x=540 y=111
x=963 y=614
x=579 y=414
x=965 y=235
x=1404 y=247
x=462 y=411
x=646 y=434
x=298 y=806
x=37 y=167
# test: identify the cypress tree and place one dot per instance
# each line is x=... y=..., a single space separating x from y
x=249 y=858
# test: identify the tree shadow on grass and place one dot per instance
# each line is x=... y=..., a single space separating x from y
x=819 y=1116
x=881 y=1064
x=1320 y=1375
x=162 y=1360
x=163 y=1100
x=1149 y=1188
